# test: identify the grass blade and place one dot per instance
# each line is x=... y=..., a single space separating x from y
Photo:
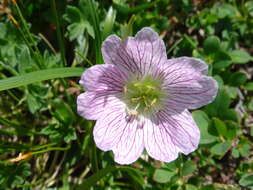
x=98 y=36
x=37 y=76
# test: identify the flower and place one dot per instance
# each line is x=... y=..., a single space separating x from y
x=140 y=98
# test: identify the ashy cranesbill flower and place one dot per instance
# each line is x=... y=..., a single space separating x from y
x=140 y=98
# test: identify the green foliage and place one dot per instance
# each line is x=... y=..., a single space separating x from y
x=12 y=176
x=38 y=103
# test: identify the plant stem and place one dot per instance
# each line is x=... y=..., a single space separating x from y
x=59 y=33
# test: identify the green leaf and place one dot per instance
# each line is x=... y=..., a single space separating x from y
x=250 y=105
x=73 y=14
x=232 y=91
x=38 y=76
x=221 y=103
x=219 y=81
x=221 y=60
x=188 y=168
x=249 y=86
x=77 y=29
x=78 y=22
x=237 y=79
x=63 y=112
x=202 y=121
x=58 y=133
x=246 y=180
x=95 y=178
x=226 y=10
x=220 y=127
x=163 y=175
x=34 y=103
x=211 y=45
x=230 y=114
x=190 y=187
x=127 y=29
x=220 y=148
x=245 y=149
x=249 y=6
x=231 y=129
x=240 y=56
x=135 y=175
x=235 y=153
x=136 y=9
x=3 y=30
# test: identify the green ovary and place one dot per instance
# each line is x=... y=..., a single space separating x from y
x=143 y=96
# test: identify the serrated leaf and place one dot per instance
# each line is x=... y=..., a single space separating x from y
x=73 y=14
x=34 y=104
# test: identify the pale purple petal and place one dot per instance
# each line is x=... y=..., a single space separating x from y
x=185 y=84
x=166 y=135
x=104 y=77
x=140 y=54
x=191 y=63
x=91 y=105
x=158 y=141
x=110 y=49
x=184 y=131
x=122 y=134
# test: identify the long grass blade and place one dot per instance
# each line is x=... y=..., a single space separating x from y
x=37 y=76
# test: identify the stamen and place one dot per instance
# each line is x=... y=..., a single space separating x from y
x=150 y=87
x=125 y=89
x=137 y=84
x=143 y=95
x=133 y=112
x=135 y=99
x=153 y=101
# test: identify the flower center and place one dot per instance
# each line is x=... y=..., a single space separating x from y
x=143 y=96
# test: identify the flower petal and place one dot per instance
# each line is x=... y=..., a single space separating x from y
x=122 y=134
x=186 y=85
x=103 y=77
x=158 y=141
x=110 y=49
x=91 y=105
x=183 y=129
x=166 y=135
x=140 y=54
x=189 y=63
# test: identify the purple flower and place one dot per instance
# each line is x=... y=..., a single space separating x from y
x=140 y=98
